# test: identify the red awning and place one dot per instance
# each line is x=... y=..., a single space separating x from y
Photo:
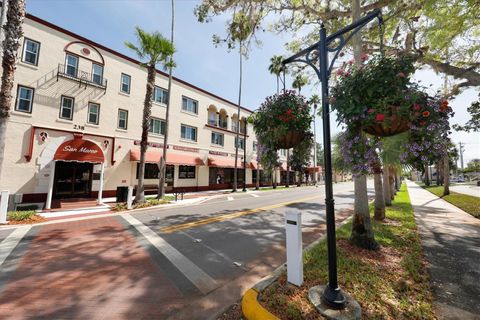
x=284 y=166
x=314 y=169
x=172 y=158
x=224 y=162
x=79 y=150
x=254 y=164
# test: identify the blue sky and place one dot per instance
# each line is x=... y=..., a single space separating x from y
x=111 y=22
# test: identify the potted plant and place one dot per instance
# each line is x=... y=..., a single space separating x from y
x=377 y=95
x=283 y=120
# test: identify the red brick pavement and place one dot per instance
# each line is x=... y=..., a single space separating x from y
x=91 y=269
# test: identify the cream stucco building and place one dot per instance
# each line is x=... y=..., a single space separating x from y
x=77 y=114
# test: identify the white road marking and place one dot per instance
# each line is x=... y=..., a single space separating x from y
x=193 y=273
x=254 y=195
x=230 y=198
x=10 y=242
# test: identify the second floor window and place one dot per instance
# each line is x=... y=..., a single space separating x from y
x=122 y=119
x=188 y=133
x=157 y=126
x=160 y=95
x=240 y=143
x=66 y=108
x=93 y=113
x=24 y=99
x=217 y=138
x=189 y=105
x=71 y=65
x=97 y=73
x=125 y=83
x=31 y=51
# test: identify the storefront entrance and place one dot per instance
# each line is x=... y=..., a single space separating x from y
x=72 y=180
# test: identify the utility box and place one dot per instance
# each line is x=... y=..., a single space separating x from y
x=293 y=229
x=3 y=206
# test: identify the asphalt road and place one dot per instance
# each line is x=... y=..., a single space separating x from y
x=184 y=262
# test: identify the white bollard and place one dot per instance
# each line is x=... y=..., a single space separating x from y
x=3 y=206
x=129 y=197
x=293 y=228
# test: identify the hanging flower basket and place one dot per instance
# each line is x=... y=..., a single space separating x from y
x=377 y=95
x=289 y=140
x=388 y=126
x=283 y=120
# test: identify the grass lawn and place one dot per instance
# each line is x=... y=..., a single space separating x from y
x=467 y=203
x=391 y=283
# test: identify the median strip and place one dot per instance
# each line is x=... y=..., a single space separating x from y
x=230 y=216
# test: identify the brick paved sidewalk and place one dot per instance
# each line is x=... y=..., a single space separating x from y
x=91 y=269
x=451 y=241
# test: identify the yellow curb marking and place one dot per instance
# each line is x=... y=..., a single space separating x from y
x=230 y=216
x=251 y=308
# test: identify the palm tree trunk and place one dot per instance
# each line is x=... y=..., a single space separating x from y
x=379 y=198
x=446 y=176
x=257 y=183
x=427 y=177
x=235 y=172
x=386 y=187
x=13 y=32
x=362 y=232
x=163 y=159
x=147 y=108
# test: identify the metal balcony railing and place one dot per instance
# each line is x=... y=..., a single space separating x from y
x=82 y=77
x=222 y=124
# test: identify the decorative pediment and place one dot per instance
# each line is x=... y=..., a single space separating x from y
x=85 y=50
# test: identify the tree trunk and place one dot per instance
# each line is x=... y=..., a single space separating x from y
x=446 y=176
x=13 y=31
x=386 y=187
x=379 y=198
x=362 y=232
x=427 y=177
x=287 y=184
x=163 y=160
x=391 y=180
x=147 y=109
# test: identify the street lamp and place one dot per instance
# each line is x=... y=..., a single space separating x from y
x=316 y=56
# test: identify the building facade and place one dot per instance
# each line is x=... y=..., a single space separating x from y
x=75 y=124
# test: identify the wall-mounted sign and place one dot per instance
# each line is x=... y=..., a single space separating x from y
x=185 y=149
x=150 y=144
x=218 y=153
x=78 y=127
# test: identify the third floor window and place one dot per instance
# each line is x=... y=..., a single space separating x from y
x=71 y=65
x=31 y=51
x=160 y=95
x=125 y=83
x=97 y=73
x=189 y=105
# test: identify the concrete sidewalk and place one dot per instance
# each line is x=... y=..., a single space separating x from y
x=451 y=242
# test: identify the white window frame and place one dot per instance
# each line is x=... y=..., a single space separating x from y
x=90 y=104
x=186 y=136
x=185 y=104
x=126 y=119
x=100 y=82
x=164 y=98
x=122 y=82
x=240 y=145
x=68 y=65
x=62 y=107
x=30 y=104
x=162 y=124
x=214 y=141
x=24 y=52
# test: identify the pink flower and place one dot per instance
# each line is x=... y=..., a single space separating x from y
x=416 y=107
x=339 y=72
x=370 y=110
x=380 y=117
x=364 y=57
x=401 y=75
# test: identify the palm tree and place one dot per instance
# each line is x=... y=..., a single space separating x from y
x=315 y=100
x=156 y=49
x=362 y=232
x=13 y=32
x=276 y=67
x=379 y=212
x=163 y=160
x=299 y=82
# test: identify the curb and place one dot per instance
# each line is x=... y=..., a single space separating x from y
x=251 y=308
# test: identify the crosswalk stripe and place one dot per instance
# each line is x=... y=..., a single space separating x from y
x=255 y=195
x=190 y=270
x=10 y=242
x=230 y=198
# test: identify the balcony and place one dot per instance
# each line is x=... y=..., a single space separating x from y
x=83 y=78
x=219 y=124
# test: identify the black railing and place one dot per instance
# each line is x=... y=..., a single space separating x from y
x=82 y=77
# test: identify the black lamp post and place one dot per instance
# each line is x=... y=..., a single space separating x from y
x=316 y=56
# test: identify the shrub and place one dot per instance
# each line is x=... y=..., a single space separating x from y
x=21 y=215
